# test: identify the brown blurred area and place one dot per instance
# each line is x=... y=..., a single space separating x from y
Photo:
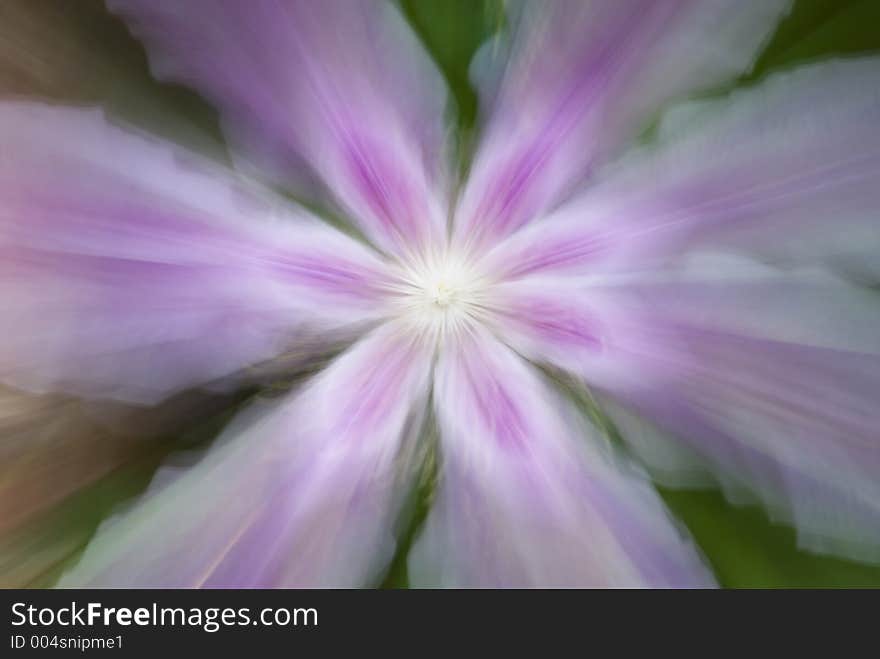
x=44 y=50
x=66 y=464
x=76 y=52
x=49 y=450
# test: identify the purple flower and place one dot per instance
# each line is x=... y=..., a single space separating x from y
x=707 y=287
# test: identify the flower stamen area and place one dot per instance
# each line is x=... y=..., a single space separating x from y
x=440 y=294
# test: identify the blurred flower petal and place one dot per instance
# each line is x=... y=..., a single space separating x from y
x=788 y=170
x=580 y=81
x=769 y=372
x=525 y=499
x=794 y=425
x=769 y=376
x=131 y=269
x=301 y=493
x=340 y=86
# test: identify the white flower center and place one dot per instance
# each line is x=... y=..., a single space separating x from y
x=440 y=294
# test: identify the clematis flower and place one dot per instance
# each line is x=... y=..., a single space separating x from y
x=704 y=292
